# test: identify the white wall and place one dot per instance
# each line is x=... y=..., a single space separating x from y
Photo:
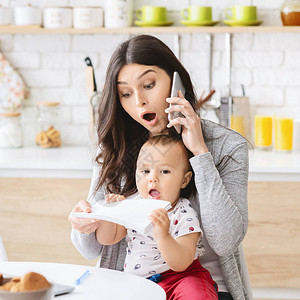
x=54 y=69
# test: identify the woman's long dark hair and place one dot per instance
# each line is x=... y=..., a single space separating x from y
x=120 y=137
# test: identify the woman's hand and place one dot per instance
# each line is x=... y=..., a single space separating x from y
x=161 y=223
x=191 y=124
x=81 y=224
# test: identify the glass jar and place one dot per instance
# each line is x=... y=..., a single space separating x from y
x=290 y=13
x=11 y=134
x=48 y=135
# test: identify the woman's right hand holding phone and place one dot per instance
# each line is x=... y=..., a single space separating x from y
x=81 y=224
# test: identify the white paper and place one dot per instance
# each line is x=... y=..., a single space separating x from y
x=129 y=213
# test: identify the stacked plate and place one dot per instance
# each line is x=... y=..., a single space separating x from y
x=199 y=23
x=242 y=22
x=153 y=23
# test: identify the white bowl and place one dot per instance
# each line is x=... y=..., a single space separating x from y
x=43 y=294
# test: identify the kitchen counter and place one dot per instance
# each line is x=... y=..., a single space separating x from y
x=64 y=162
x=77 y=162
x=274 y=166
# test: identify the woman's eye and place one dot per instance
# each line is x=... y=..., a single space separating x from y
x=125 y=95
x=149 y=86
x=145 y=171
x=165 y=171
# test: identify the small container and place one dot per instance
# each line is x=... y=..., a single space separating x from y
x=290 y=13
x=5 y=15
x=57 y=17
x=27 y=15
x=87 y=17
x=48 y=135
x=118 y=13
x=11 y=134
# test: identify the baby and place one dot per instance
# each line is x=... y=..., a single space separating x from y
x=169 y=253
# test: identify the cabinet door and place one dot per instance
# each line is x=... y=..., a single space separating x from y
x=272 y=244
x=34 y=226
x=34 y=218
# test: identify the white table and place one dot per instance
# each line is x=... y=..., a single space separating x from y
x=101 y=284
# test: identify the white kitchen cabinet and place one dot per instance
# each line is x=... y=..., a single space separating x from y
x=34 y=218
x=39 y=187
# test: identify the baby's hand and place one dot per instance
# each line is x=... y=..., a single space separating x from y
x=161 y=223
x=111 y=198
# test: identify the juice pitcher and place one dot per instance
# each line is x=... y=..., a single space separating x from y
x=235 y=114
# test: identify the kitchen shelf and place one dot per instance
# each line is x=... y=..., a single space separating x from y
x=9 y=29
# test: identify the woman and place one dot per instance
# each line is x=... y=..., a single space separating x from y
x=134 y=106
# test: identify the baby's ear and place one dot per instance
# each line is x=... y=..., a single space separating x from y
x=186 y=179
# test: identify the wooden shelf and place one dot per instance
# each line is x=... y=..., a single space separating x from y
x=133 y=30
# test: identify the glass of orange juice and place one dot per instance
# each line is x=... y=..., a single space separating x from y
x=263 y=126
x=283 y=133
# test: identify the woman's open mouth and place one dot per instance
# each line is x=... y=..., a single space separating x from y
x=149 y=117
x=154 y=194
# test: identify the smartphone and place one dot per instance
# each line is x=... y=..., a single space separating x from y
x=176 y=86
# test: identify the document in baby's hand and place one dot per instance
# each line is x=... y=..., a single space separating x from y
x=129 y=213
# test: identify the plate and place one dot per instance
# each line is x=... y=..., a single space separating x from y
x=152 y=23
x=242 y=23
x=198 y=23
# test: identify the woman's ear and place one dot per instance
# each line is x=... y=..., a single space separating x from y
x=186 y=179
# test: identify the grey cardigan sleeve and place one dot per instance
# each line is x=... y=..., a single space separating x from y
x=223 y=198
x=87 y=244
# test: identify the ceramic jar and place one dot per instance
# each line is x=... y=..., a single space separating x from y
x=87 y=17
x=290 y=13
x=57 y=17
x=5 y=15
x=118 y=13
x=27 y=15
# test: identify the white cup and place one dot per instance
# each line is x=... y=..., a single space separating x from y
x=5 y=15
x=118 y=13
x=57 y=17
x=87 y=17
x=27 y=15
